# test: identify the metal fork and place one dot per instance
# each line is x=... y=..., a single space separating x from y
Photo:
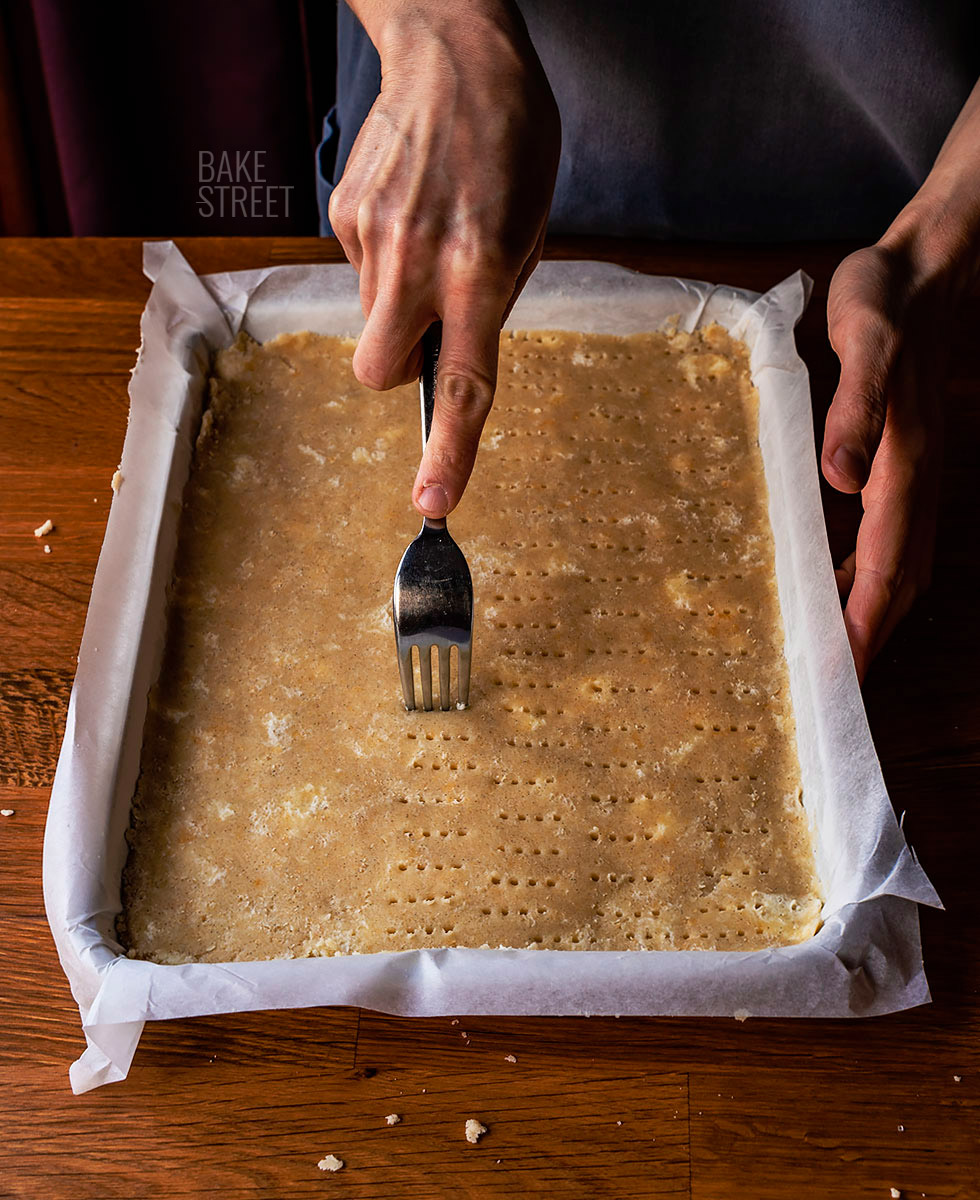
x=433 y=595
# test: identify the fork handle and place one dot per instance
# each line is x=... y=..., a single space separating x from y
x=431 y=344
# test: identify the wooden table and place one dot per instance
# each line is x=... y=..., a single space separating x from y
x=245 y=1105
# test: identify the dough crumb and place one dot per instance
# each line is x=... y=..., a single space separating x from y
x=895 y=1193
x=43 y=530
x=742 y=1014
x=117 y=480
x=901 y=1128
x=393 y=1118
x=330 y=1163
x=6 y=812
x=47 y=549
x=510 y=1058
x=957 y=1078
x=474 y=1131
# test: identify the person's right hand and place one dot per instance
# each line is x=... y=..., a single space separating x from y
x=442 y=209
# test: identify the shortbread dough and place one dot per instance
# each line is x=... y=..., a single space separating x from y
x=626 y=775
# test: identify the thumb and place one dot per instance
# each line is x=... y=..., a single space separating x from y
x=465 y=381
x=866 y=344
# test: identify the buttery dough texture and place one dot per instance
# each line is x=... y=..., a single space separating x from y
x=626 y=776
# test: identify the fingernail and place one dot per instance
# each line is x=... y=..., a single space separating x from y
x=851 y=463
x=433 y=501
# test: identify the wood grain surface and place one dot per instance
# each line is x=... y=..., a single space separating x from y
x=245 y=1105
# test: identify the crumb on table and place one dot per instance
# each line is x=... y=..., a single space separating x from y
x=392 y=1118
x=474 y=1131
x=330 y=1163
x=44 y=529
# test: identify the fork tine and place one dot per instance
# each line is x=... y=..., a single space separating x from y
x=464 y=654
x=407 y=674
x=444 y=697
x=425 y=674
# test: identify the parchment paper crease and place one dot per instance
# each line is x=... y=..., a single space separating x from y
x=866 y=958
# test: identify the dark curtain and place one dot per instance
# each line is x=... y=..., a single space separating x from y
x=114 y=116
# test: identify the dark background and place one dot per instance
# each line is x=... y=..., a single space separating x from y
x=104 y=108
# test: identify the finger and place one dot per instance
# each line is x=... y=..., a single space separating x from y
x=869 y=600
x=880 y=566
x=532 y=261
x=844 y=574
x=872 y=598
x=902 y=602
x=342 y=215
x=867 y=343
x=368 y=283
x=465 y=383
x=388 y=352
x=920 y=548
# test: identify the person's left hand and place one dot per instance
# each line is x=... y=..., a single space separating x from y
x=888 y=315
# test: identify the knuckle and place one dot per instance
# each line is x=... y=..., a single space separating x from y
x=869 y=326
x=479 y=262
x=865 y=304
x=339 y=213
x=445 y=457
x=869 y=262
x=865 y=404
x=465 y=396
x=371 y=370
x=887 y=579
x=371 y=375
x=368 y=216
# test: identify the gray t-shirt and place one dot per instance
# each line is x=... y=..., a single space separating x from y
x=745 y=120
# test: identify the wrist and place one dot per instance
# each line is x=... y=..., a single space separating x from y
x=937 y=237
x=394 y=25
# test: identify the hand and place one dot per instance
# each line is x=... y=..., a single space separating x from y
x=888 y=315
x=442 y=210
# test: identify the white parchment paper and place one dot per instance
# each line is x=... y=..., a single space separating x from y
x=865 y=960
